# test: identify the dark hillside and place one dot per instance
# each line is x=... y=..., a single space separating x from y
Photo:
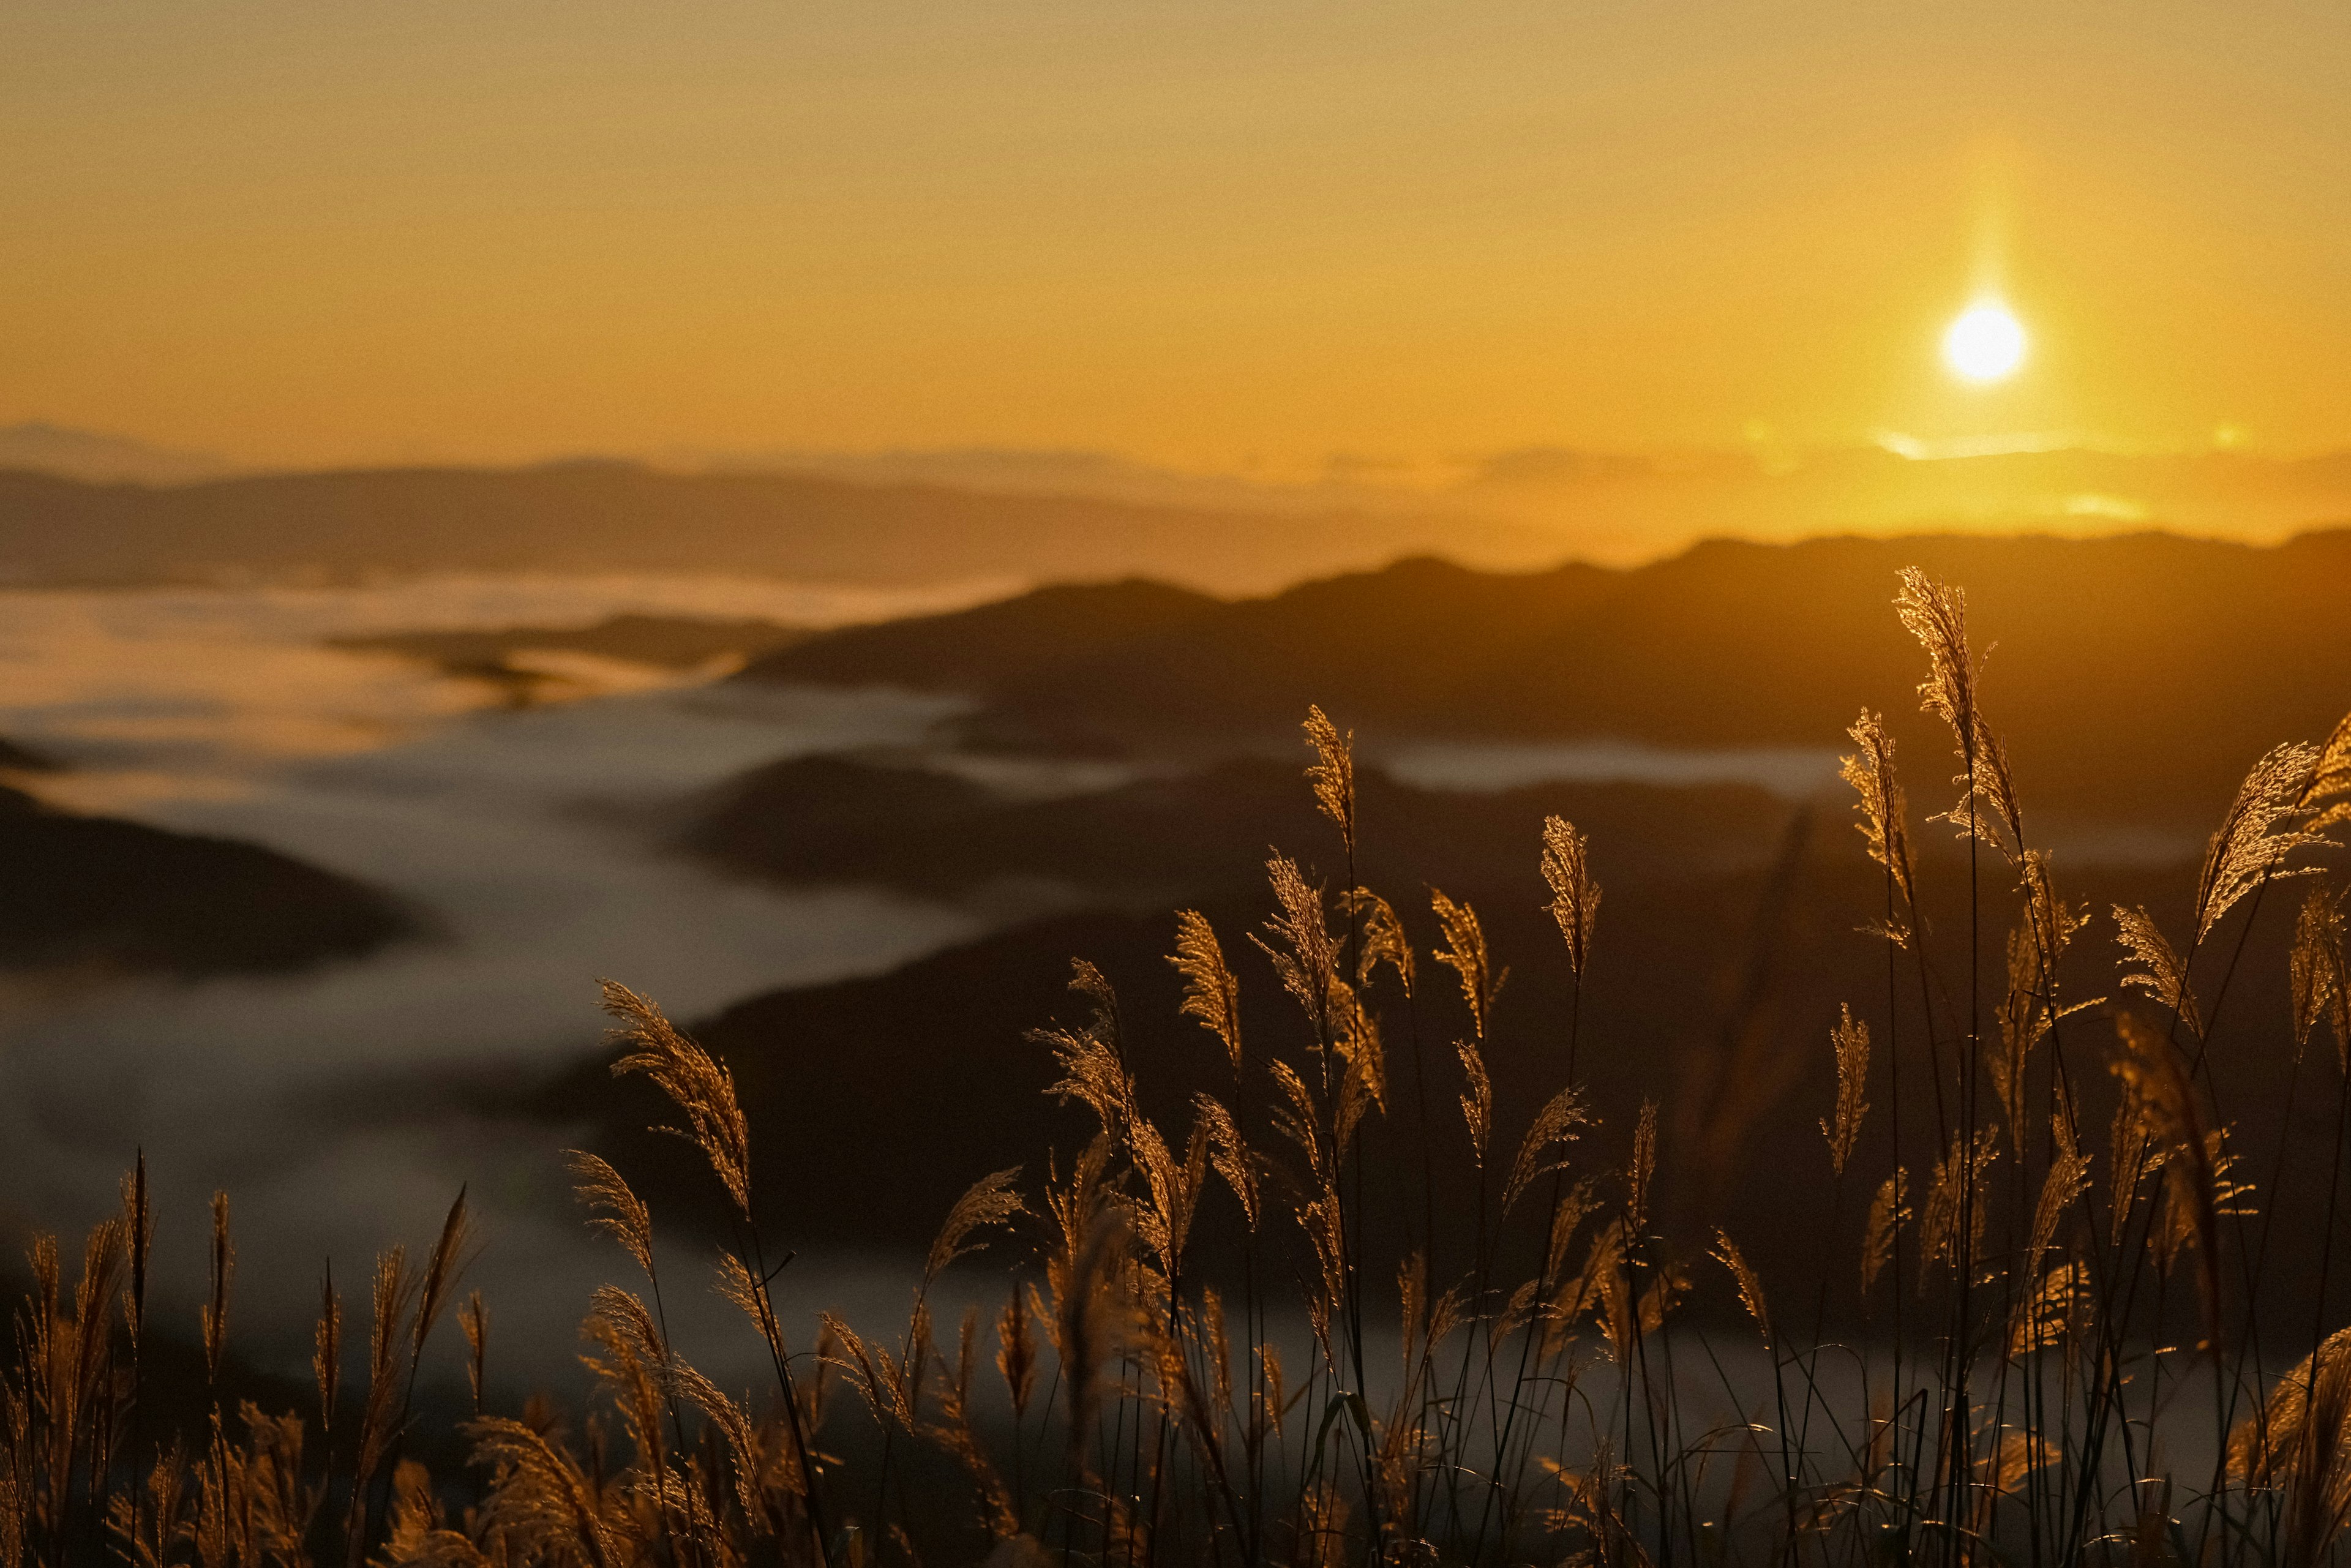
x=97 y=890
x=19 y=759
x=2121 y=659
x=1197 y=835
x=1014 y=644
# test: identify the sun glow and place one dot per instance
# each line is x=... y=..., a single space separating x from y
x=1985 y=343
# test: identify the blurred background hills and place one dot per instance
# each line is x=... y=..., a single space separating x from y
x=78 y=506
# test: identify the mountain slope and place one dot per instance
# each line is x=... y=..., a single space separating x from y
x=2114 y=659
x=1166 y=840
x=78 y=889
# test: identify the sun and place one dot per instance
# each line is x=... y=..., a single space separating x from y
x=1985 y=343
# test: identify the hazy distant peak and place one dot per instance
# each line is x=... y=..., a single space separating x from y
x=102 y=458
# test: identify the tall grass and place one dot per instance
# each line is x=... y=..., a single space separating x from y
x=1203 y=1356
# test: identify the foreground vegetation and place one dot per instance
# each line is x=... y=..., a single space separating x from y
x=2053 y=1341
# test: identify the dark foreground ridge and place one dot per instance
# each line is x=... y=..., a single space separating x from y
x=97 y=890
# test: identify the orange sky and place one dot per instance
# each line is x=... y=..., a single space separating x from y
x=1238 y=236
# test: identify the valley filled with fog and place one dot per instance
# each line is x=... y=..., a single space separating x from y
x=330 y=1102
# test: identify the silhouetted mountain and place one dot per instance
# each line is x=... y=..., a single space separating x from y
x=1165 y=840
x=995 y=646
x=2119 y=670
x=97 y=890
x=101 y=458
x=19 y=758
x=607 y=516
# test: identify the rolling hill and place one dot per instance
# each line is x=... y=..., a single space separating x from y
x=86 y=891
x=2127 y=658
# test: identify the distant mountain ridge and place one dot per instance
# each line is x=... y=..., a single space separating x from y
x=1623 y=506
x=2167 y=663
x=101 y=458
x=599 y=516
x=82 y=507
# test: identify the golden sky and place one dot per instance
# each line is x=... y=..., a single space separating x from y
x=1235 y=236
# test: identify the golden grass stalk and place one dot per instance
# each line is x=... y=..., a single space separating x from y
x=1751 y=1287
x=549 y=1509
x=1477 y=1098
x=988 y=1203
x=1228 y=1156
x=1211 y=993
x=1575 y=1206
x=1960 y=1170
x=1465 y=953
x=2258 y=833
x=1554 y=1128
x=2067 y=1178
x=1016 y=1349
x=1162 y=1220
x=885 y=1381
x=694 y=1081
x=742 y=1440
x=2045 y=1313
x=2329 y=797
x=1849 y=1039
x=1575 y=896
x=1642 y=1171
x=1303 y=952
x=2319 y=980
x=2300 y=1442
x=1332 y=773
x=2160 y=971
x=613 y=1208
x=1359 y=1047
x=1937 y=615
x=1093 y=1069
x=1885 y=813
x=1380 y=939
x=2013 y=1459
x=1889 y=1212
